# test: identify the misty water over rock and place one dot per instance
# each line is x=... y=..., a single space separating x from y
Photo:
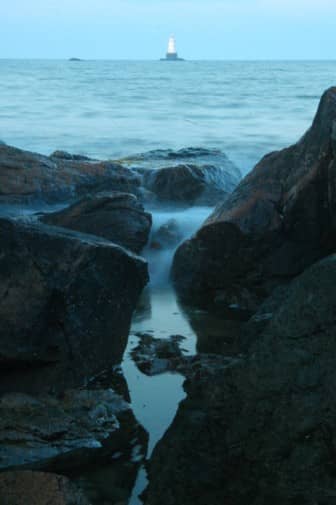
x=188 y=176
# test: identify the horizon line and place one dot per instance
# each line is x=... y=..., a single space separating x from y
x=186 y=60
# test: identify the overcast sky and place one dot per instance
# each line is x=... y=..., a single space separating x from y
x=139 y=29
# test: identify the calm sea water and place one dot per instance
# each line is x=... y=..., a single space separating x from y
x=116 y=108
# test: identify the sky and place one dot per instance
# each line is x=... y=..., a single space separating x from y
x=139 y=29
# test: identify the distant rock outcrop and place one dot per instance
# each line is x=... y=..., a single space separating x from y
x=278 y=221
x=118 y=217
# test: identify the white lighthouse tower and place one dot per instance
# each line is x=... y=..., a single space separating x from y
x=171 y=54
x=171 y=51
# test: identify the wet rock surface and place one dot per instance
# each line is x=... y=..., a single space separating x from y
x=278 y=221
x=159 y=158
x=193 y=174
x=118 y=217
x=38 y=488
x=186 y=177
x=216 y=334
x=62 y=433
x=157 y=355
x=66 y=302
x=64 y=155
x=259 y=429
x=191 y=184
x=28 y=177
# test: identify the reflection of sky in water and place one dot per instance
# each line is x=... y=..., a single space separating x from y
x=156 y=399
x=164 y=318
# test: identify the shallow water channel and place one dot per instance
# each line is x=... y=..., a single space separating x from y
x=155 y=399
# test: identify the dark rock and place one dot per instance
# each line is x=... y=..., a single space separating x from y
x=154 y=356
x=278 y=221
x=27 y=177
x=260 y=429
x=190 y=184
x=66 y=432
x=143 y=310
x=109 y=484
x=118 y=217
x=111 y=377
x=64 y=155
x=215 y=333
x=168 y=235
x=187 y=176
x=38 y=488
x=212 y=270
x=185 y=155
x=66 y=301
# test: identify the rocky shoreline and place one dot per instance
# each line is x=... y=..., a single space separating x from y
x=70 y=280
x=258 y=428
x=258 y=423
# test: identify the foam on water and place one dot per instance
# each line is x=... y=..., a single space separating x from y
x=188 y=221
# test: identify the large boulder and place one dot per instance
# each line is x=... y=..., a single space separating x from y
x=66 y=301
x=27 y=176
x=260 y=429
x=278 y=221
x=192 y=175
x=119 y=217
x=189 y=184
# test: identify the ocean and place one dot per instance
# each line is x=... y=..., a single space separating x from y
x=111 y=109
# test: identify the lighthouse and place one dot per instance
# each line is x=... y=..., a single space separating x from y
x=171 y=54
